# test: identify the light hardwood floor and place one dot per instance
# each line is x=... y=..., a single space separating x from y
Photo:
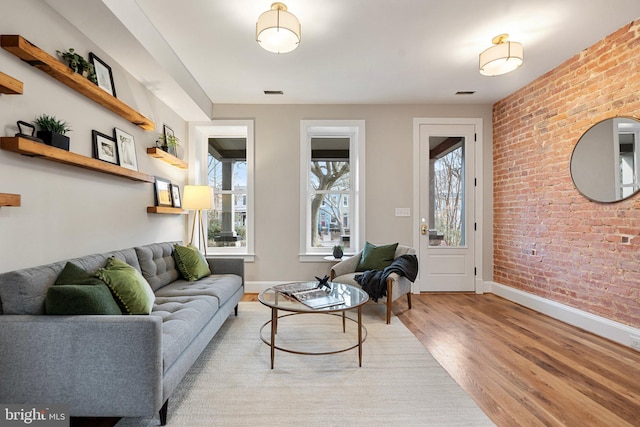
x=521 y=367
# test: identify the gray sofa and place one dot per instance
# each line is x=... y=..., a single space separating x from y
x=109 y=365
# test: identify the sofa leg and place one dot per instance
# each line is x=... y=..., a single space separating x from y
x=409 y=300
x=163 y=413
x=235 y=310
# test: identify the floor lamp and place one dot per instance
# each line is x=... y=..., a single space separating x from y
x=198 y=198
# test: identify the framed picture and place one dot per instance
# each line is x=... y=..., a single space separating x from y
x=163 y=192
x=175 y=196
x=126 y=149
x=104 y=147
x=103 y=74
x=168 y=132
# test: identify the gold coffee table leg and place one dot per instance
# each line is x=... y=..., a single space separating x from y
x=359 y=336
x=274 y=325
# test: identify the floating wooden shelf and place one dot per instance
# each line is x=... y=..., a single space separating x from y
x=9 y=85
x=40 y=59
x=36 y=149
x=166 y=157
x=165 y=210
x=9 y=199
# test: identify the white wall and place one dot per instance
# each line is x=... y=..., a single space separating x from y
x=389 y=145
x=67 y=211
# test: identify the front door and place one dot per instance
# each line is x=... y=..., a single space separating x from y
x=446 y=211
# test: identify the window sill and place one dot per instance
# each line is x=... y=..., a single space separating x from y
x=320 y=257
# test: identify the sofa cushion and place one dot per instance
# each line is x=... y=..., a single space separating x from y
x=191 y=263
x=157 y=264
x=24 y=291
x=221 y=286
x=182 y=319
x=128 y=286
x=376 y=257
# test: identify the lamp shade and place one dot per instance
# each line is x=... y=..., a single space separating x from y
x=197 y=197
x=278 y=30
x=501 y=58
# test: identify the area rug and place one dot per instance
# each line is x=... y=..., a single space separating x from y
x=399 y=383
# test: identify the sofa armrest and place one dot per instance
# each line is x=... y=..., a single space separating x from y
x=98 y=365
x=345 y=267
x=227 y=266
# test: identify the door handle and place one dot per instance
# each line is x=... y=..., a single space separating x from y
x=423 y=229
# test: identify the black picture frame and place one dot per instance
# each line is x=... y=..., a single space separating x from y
x=104 y=75
x=167 y=131
x=126 y=149
x=104 y=147
x=175 y=196
x=162 y=192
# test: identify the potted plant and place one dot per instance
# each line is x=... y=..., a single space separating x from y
x=52 y=131
x=337 y=252
x=78 y=64
x=169 y=143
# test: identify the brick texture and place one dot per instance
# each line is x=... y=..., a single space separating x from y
x=550 y=240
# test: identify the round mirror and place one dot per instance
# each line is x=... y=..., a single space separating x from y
x=605 y=164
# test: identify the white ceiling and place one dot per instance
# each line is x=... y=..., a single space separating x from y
x=352 y=51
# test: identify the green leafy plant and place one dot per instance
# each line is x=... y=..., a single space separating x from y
x=169 y=140
x=78 y=64
x=50 y=123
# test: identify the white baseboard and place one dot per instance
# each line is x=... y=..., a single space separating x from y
x=257 y=287
x=597 y=325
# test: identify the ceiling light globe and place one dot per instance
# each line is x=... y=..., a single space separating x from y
x=501 y=58
x=278 y=30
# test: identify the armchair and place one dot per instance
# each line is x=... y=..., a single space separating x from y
x=345 y=271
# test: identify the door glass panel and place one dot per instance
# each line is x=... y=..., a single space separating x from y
x=446 y=191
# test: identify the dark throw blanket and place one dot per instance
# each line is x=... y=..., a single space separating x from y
x=374 y=282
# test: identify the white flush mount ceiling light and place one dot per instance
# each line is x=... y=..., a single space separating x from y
x=501 y=58
x=278 y=30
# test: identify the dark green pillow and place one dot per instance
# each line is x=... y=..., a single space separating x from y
x=77 y=292
x=191 y=263
x=129 y=288
x=80 y=299
x=376 y=257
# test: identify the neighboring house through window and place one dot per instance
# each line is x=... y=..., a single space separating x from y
x=331 y=186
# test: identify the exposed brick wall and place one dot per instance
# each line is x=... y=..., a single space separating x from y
x=549 y=240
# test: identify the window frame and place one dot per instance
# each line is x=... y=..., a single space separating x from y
x=199 y=133
x=355 y=131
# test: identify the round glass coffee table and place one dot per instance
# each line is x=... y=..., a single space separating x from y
x=351 y=297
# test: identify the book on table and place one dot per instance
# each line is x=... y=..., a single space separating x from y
x=312 y=295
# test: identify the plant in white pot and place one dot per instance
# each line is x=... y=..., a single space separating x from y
x=53 y=131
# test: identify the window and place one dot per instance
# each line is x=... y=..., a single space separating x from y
x=226 y=150
x=332 y=187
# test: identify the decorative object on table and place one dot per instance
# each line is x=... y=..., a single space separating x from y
x=104 y=147
x=78 y=64
x=169 y=141
x=324 y=282
x=163 y=192
x=104 y=76
x=337 y=252
x=21 y=132
x=198 y=198
x=175 y=196
x=52 y=131
x=126 y=149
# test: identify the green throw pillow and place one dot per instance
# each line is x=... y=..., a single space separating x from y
x=80 y=299
x=191 y=262
x=376 y=257
x=77 y=292
x=130 y=290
